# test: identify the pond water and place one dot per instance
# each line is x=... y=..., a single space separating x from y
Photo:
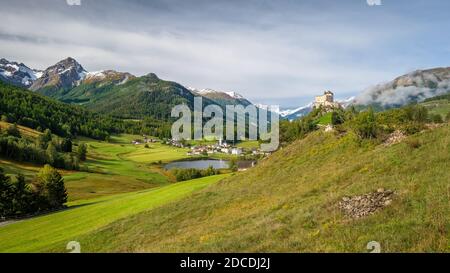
x=201 y=164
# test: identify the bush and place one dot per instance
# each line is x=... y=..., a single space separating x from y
x=413 y=143
x=365 y=124
x=436 y=118
x=233 y=165
x=413 y=128
x=13 y=131
x=188 y=174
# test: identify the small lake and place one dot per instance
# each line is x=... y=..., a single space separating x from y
x=202 y=164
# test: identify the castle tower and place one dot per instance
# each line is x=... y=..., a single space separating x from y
x=326 y=100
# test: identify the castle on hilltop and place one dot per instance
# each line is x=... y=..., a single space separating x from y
x=326 y=101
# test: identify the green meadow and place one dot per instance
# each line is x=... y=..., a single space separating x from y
x=288 y=203
x=440 y=107
x=117 y=180
x=55 y=230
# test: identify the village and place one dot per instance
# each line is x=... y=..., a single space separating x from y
x=219 y=147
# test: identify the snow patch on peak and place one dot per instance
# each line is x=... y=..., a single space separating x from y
x=234 y=95
x=206 y=91
x=18 y=74
x=96 y=74
x=289 y=112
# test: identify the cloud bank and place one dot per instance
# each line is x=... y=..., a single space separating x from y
x=284 y=51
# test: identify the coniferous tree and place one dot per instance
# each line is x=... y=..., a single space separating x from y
x=13 y=131
x=52 y=188
x=22 y=200
x=45 y=138
x=66 y=145
x=82 y=151
x=6 y=195
x=52 y=154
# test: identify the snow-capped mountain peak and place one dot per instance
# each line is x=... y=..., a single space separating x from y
x=18 y=74
x=209 y=91
x=64 y=74
x=234 y=95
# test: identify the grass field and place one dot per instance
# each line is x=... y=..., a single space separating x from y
x=24 y=131
x=288 y=203
x=325 y=119
x=155 y=153
x=111 y=167
x=57 y=229
x=251 y=144
x=441 y=107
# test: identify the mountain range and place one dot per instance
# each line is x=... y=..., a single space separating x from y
x=119 y=94
x=124 y=95
x=18 y=74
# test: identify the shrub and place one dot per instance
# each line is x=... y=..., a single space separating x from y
x=365 y=124
x=413 y=143
x=13 y=131
x=436 y=118
x=233 y=165
x=411 y=128
x=188 y=174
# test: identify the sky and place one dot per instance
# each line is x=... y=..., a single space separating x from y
x=272 y=52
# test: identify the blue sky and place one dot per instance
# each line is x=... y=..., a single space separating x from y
x=274 y=52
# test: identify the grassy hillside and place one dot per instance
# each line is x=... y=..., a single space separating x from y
x=24 y=131
x=439 y=105
x=57 y=229
x=288 y=203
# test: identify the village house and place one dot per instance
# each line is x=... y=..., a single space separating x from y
x=236 y=151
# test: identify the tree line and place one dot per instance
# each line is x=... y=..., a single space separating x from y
x=38 y=112
x=188 y=174
x=45 y=192
x=367 y=123
x=45 y=149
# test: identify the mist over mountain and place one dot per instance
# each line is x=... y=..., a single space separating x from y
x=413 y=87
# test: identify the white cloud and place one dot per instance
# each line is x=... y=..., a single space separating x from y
x=261 y=59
